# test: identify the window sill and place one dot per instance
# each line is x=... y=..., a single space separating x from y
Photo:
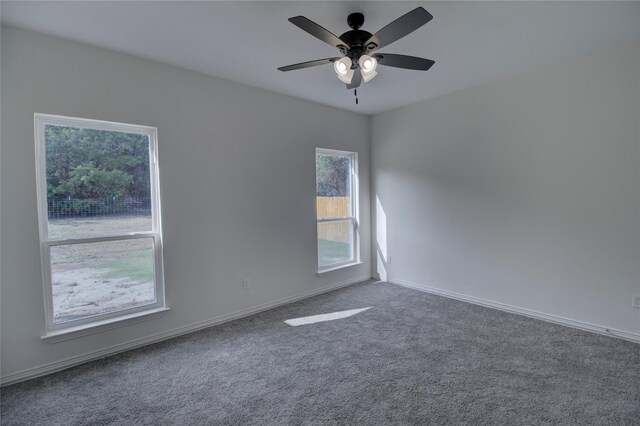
x=99 y=326
x=324 y=272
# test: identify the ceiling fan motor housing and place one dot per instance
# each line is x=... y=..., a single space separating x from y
x=355 y=39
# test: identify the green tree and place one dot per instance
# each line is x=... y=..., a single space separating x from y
x=87 y=181
x=332 y=176
x=87 y=163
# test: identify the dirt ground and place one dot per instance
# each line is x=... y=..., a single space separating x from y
x=95 y=278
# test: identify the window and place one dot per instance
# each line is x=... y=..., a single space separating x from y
x=337 y=208
x=99 y=213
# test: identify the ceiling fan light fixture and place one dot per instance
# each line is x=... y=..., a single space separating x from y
x=342 y=67
x=367 y=63
x=368 y=76
x=368 y=66
x=346 y=78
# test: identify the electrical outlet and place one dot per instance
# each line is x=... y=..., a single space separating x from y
x=246 y=283
x=635 y=302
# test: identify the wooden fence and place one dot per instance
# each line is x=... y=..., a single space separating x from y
x=334 y=207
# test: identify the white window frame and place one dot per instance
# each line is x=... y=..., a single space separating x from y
x=95 y=323
x=355 y=212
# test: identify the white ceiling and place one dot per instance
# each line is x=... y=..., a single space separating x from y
x=471 y=42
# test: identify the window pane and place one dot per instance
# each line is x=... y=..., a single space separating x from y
x=333 y=185
x=98 y=278
x=98 y=182
x=335 y=242
x=330 y=207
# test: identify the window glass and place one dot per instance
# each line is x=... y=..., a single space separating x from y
x=336 y=206
x=97 y=278
x=98 y=182
x=335 y=242
x=99 y=219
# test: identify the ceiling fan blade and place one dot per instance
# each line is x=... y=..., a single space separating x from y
x=404 y=61
x=356 y=80
x=308 y=64
x=318 y=32
x=399 y=28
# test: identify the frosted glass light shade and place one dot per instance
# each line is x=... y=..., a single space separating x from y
x=367 y=63
x=347 y=77
x=342 y=67
x=368 y=76
x=368 y=66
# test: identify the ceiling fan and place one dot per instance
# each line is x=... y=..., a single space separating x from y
x=358 y=62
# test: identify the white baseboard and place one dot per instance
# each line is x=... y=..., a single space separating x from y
x=632 y=337
x=49 y=368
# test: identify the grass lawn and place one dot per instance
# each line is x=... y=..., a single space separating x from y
x=333 y=252
x=135 y=266
x=85 y=227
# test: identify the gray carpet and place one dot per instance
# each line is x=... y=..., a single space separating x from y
x=413 y=358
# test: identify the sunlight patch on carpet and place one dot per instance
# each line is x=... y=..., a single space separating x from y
x=324 y=317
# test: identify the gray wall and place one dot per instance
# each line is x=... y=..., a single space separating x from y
x=222 y=218
x=523 y=191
